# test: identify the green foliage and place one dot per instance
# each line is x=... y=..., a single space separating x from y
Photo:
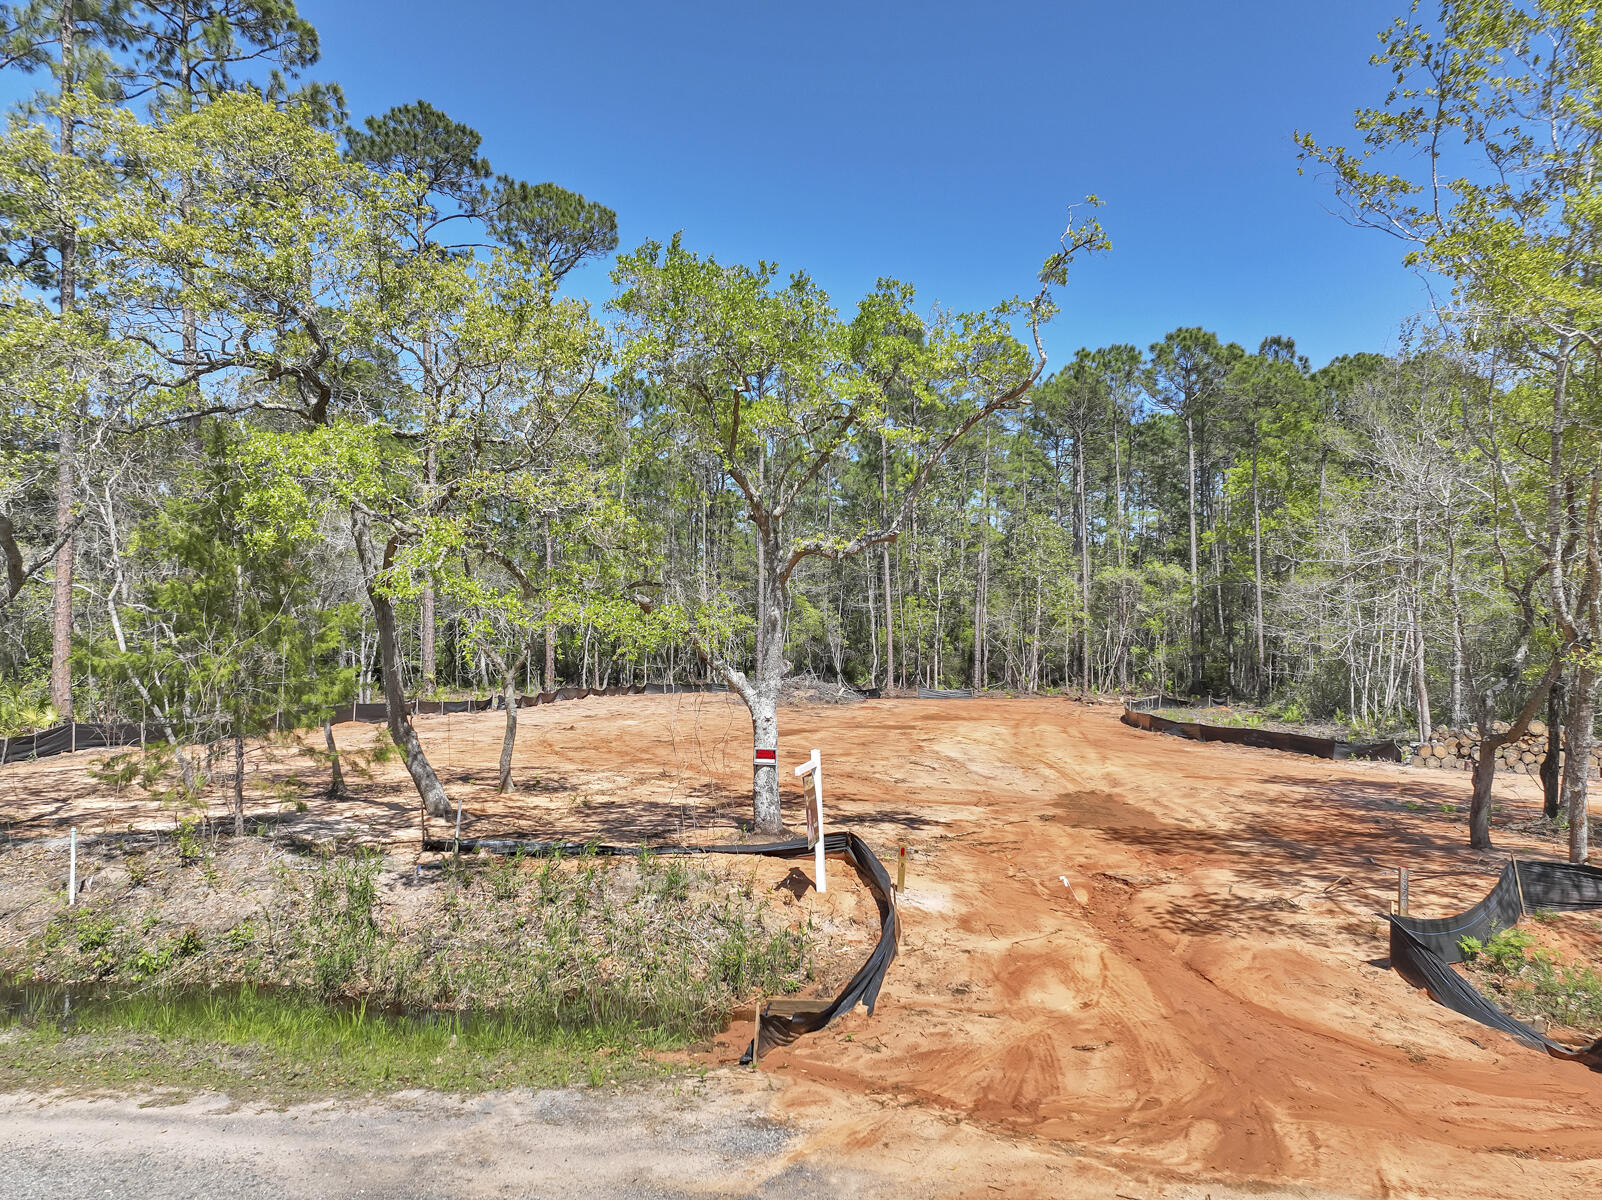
x=242 y=936
x=1532 y=981
x=188 y=840
x=93 y=936
x=25 y=707
x=340 y=930
x=230 y=639
x=1506 y=952
x=148 y=962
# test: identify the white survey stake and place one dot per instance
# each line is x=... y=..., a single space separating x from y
x=814 y=803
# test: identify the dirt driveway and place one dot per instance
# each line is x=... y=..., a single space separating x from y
x=1202 y=1008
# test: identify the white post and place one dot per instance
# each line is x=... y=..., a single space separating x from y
x=817 y=794
x=72 y=867
x=814 y=766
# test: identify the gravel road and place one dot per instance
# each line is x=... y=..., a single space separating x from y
x=650 y=1142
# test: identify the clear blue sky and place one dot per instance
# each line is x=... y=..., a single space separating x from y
x=934 y=142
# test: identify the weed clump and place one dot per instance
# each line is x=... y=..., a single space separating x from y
x=1532 y=982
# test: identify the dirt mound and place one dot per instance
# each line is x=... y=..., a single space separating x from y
x=814 y=689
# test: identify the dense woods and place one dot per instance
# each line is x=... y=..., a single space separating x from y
x=296 y=408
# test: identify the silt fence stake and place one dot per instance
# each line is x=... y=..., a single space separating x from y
x=1401 y=891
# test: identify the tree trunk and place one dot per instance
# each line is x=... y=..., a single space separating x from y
x=1485 y=767
x=424 y=778
x=336 y=776
x=1120 y=527
x=981 y=569
x=550 y=630
x=1195 y=559
x=239 y=782
x=884 y=514
x=426 y=637
x=61 y=623
x=1084 y=564
x=1420 y=664
x=762 y=695
x=1577 y=760
x=1456 y=701
x=1551 y=764
x=873 y=634
x=1261 y=672
x=1480 y=802
x=509 y=698
x=426 y=633
x=1421 y=682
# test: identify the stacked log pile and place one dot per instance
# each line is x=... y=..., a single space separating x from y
x=1459 y=750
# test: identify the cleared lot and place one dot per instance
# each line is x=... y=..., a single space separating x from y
x=1216 y=1014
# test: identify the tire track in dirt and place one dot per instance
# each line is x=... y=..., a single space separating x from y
x=1215 y=1052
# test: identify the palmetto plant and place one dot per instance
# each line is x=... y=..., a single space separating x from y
x=25 y=707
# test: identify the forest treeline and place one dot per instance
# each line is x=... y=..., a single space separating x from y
x=296 y=409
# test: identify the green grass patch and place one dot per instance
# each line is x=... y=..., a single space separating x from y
x=260 y=1043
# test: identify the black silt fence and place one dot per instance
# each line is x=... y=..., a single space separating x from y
x=925 y=693
x=1166 y=700
x=61 y=739
x=782 y=1021
x=1423 y=949
x=368 y=713
x=1265 y=739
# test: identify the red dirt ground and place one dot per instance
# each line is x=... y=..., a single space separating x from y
x=1206 y=1011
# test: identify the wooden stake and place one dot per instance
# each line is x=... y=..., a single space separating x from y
x=814 y=767
x=1518 y=883
x=1401 y=891
x=901 y=871
x=756 y=1033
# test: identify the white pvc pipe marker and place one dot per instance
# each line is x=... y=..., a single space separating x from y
x=72 y=867
x=814 y=765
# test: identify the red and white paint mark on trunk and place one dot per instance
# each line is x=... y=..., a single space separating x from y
x=814 y=806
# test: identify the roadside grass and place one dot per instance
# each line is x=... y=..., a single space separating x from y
x=349 y=972
x=253 y=1043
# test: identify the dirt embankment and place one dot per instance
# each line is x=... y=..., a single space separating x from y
x=1203 y=1005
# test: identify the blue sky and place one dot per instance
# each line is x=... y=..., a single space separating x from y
x=935 y=142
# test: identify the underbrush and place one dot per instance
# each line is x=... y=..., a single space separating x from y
x=1533 y=982
x=354 y=962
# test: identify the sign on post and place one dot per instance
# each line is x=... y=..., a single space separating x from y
x=814 y=805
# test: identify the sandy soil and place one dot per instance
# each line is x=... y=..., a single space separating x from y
x=1205 y=1007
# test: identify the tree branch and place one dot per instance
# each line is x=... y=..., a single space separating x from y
x=18 y=574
